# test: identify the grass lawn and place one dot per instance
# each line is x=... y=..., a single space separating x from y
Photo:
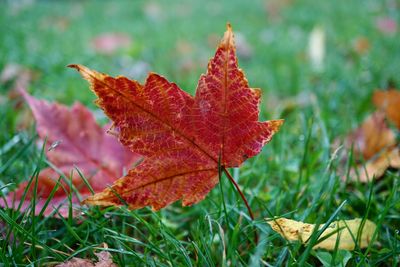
x=296 y=175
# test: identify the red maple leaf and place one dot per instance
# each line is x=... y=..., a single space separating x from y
x=75 y=141
x=185 y=139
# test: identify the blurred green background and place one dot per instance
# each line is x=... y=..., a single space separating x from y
x=176 y=39
x=320 y=97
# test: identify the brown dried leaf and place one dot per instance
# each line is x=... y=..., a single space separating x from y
x=378 y=165
x=344 y=232
x=374 y=148
x=389 y=102
x=361 y=45
x=104 y=260
x=76 y=262
x=371 y=137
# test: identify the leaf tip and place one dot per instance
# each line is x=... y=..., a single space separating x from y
x=276 y=124
x=86 y=73
x=82 y=70
x=73 y=66
x=227 y=40
x=100 y=199
x=256 y=91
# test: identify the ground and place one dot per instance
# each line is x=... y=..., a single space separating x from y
x=295 y=176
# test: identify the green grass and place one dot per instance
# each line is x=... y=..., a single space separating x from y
x=296 y=174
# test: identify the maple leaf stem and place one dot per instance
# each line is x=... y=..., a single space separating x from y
x=243 y=198
x=240 y=192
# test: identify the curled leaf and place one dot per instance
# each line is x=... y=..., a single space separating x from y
x=343 y=233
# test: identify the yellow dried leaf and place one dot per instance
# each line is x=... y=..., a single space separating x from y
x=344 y=232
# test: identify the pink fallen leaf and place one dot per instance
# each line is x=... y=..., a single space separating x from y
x=74 y=140
x=104 y=260
x=386 y=25
x=108 y=43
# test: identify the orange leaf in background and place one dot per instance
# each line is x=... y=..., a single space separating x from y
x=376 y=168
x=389 y=102
x=375 y=144
x=78 y=142
x=371 y=137
x=361 y=45
x=183 y=138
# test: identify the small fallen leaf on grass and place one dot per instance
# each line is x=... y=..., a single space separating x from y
x=371 y=137
x=374 y=148
x=316 y=48
x=18 y=77
x=109 y=43
x=275 y=8
x=76 y=262
x=186 y=140
x=55 y=22
x=345 y=232
x=389 y=102
x=74 y=140
x=104 y=260
x=386 y=25
x=377 y=166
x=374 y=143
x=361 y=45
